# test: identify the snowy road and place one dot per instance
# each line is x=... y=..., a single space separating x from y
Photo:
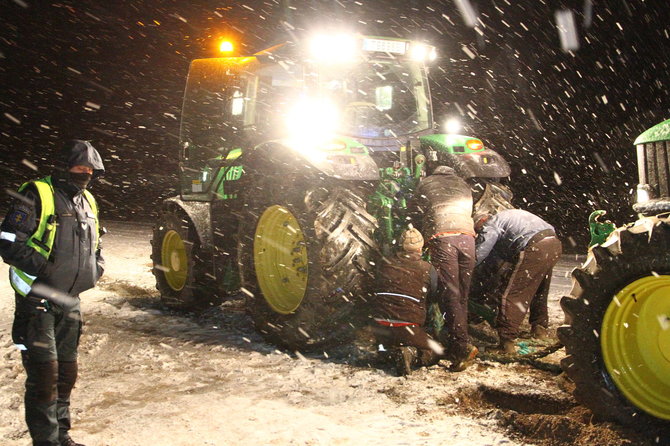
x=150 y=376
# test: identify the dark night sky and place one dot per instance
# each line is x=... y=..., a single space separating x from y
x=113 y=72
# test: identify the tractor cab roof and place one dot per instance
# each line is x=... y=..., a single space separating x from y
x=339 y=48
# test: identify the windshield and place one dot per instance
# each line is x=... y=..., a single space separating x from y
x=378 y=98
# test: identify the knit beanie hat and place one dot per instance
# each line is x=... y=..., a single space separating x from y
x=411 y=240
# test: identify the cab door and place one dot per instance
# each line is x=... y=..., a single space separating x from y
x=217 y=114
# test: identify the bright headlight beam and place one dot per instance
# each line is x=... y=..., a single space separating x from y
x=311 y=121
x=452 y=126
x=642 y=194
x=335 y=48
x=419 y=52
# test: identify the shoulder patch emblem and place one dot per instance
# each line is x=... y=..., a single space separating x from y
x=17 y=218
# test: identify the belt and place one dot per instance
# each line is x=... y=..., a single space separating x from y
x=450 y=234
x=546 y=233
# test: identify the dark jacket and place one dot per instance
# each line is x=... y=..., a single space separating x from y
x=442 y=204
x=508 y=232
x=74 y=264
x=403 y=284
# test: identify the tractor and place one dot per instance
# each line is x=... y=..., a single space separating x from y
x=295 y=166
x=617 y=331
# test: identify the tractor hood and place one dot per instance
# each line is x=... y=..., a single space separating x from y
x=659 y=132
x=466 y=155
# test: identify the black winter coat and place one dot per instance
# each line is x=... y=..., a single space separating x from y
x=74 y=264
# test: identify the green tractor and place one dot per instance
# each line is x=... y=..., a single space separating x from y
x=617 y=332
x=295 y=164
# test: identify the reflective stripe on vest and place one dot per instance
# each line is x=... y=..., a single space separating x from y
x=42 y=240
x=94 y=208
x=21 y=282
x=8 y=236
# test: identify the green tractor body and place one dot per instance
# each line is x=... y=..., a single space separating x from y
x=617 y=332
x=295 y=167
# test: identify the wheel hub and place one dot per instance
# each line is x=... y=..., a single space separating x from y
x=280 y=259
x=635 y=340
x=174 y=261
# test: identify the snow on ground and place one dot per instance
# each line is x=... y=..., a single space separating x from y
x=150 y=376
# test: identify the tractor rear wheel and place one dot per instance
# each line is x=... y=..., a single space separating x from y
x=180 y=271
x=306 y=259
x=617 y=332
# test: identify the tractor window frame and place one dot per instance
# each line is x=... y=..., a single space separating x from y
x=216 y=116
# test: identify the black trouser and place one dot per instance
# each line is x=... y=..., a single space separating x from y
x=454 y=259
x=49 y=341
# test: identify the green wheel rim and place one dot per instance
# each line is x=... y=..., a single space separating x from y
x=280 y=259
x=174 y=260
x=635 y=340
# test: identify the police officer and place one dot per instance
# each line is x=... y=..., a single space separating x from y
x=404 y=282
x=50 y=239
x=531 y=246
x=442 y=205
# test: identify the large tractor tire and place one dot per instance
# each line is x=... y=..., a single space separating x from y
x=306 y=260
x=617 y=332
x=182 y=274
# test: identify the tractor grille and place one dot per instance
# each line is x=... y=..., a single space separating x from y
x=656 y=164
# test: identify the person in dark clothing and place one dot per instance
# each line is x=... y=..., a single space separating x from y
x=442 y=203
x=531 y=245
x=404 y=283
x=50 y=239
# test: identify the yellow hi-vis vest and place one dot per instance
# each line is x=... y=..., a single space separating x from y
x=42 y=240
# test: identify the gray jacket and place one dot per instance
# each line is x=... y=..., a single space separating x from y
x=442 y=203
x=508 y=232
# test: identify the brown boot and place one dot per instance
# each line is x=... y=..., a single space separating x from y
x=461 y=364
x=539 y=332
x=428 y=358
x=506 y=347
x=405 y=358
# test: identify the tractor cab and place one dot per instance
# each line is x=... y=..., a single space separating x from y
x=341 y=97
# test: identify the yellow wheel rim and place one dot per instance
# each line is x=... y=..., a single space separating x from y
x=174 y=260
x=280 y=259
x=635 y=340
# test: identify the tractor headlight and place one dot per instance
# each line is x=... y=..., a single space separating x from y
x=311 y=121
x=337 y=48
x=642 y=193
x=453 y=126
x=421 y=52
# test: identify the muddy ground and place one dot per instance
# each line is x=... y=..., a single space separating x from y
x=151 y=376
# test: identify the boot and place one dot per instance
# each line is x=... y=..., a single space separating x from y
x=70 y=442
x=463 y=363
x=405 y=358
x=506 y=347
x=539 y=332
x=428 y=358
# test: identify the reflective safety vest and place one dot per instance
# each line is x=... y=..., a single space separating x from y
x=42 y=240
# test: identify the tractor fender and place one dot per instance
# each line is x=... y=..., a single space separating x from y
x=198 y=213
